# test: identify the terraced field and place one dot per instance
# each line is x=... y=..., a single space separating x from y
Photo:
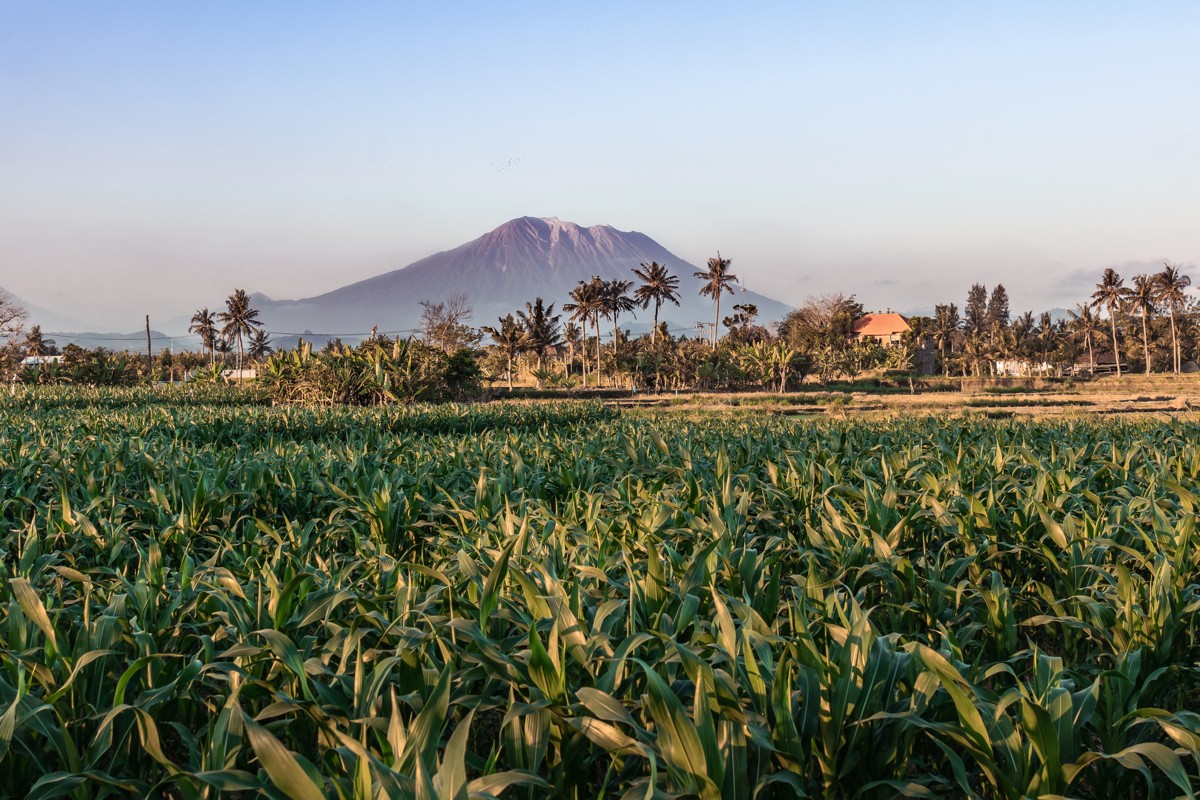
x=201 y=598
x=1164 y=396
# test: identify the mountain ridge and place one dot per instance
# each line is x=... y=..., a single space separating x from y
x=500 y=271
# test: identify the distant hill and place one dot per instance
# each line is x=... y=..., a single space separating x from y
x=134 y=341
x=36 y=315
x=522 y=259
x=63 y=331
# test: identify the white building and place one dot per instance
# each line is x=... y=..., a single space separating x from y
x=1021 y=368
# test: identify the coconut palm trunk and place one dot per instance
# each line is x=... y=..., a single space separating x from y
x=716 y=319
x=654 y=347
x=614 y=339
x=1112 y=317
x=599 y=366
x=1146 y=342
x=1175 y=365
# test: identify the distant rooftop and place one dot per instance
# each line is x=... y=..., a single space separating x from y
x=884 y=324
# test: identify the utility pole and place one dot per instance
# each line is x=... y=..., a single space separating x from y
x=149 y=354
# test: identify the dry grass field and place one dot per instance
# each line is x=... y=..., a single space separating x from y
x=1162 y=395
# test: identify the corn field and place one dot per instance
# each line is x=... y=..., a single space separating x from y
x=201 y=599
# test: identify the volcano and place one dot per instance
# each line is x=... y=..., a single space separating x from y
x=500 y=271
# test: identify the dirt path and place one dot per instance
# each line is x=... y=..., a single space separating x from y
x=1163 y=395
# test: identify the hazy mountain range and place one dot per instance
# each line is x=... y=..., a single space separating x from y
x=524 y=258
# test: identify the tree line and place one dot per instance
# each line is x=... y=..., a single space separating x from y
x=818 y=338
x=1150 y=325
x=227 y=338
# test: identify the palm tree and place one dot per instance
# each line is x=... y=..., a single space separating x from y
x=945 y=326
x=1047 y=332
x=36 y=344
x=1171 y=293
x=1086 y=326
x=204 y=324
x=510 y=339
x=240 y=320
x=260 y=344
x=658 y=287
x=585 y=307
x=716 y=280
x=1024 y=331
x=221 y=345
x=1003 y=342
x=541 y=328
x=1142 y=300
x=615 y=300
x=1110 y=294
x=572 y=335
x=974 y=351
x=995 y=344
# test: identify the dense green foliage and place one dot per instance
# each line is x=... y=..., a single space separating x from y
x=201 y=599
x=376 y=372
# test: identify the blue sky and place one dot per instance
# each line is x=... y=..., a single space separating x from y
x=155 y=155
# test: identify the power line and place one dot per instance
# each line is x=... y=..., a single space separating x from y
x=54 y=335
x=190 y=338
x=164 y=337
x=355 y=333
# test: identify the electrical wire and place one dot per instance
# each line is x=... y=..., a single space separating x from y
x=160 y=337
x=164 y=337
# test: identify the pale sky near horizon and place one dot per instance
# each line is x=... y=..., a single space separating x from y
x=155 y=155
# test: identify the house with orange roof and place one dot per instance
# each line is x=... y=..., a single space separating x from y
x=886 y=328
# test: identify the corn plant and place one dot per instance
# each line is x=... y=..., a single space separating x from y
x=203 y=596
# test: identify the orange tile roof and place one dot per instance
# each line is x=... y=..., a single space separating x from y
x=881 y=325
